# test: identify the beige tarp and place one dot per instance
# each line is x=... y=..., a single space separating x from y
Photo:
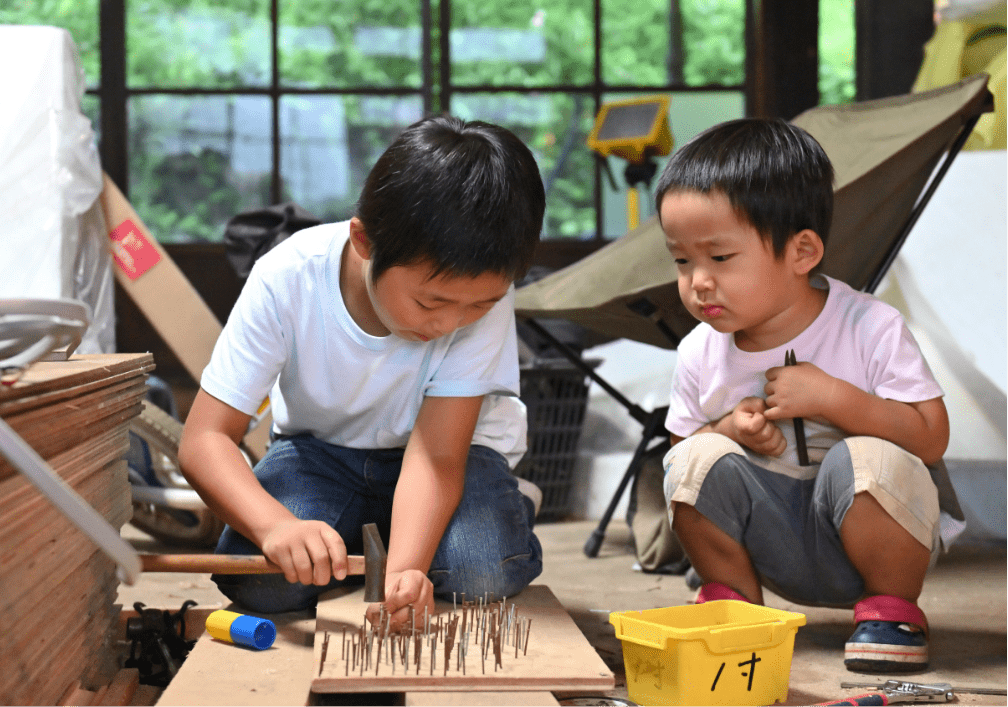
x=883 y=153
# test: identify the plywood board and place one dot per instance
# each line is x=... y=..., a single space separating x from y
x=221 y=673
x=481 y=699
x=79 y=370
x=557 y=656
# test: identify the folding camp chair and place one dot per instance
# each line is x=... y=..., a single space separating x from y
x=884 y=154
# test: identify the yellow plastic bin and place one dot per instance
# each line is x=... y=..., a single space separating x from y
x=717 y=653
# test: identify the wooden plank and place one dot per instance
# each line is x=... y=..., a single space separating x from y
x=80 y=369
x=63 y=429
x=145 y=695
x=57 y=395
x=479 y=699
x=65 y=610
x=88 y=406
x=62 y=652
x=19 y=497
x=220 y=673
x=120 y=690
x=54 y=543
x=556 y=657
x=76 y=695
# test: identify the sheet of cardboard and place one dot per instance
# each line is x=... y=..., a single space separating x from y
x=165 y=296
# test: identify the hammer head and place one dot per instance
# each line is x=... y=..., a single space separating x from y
x=374 y=564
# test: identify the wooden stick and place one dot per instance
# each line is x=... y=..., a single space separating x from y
x=226 y=564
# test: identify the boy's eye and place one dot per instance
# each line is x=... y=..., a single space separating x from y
x=680 y=261
x=720 y=258
x=422 y=305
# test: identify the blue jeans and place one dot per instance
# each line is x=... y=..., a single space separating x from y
x=488 y=546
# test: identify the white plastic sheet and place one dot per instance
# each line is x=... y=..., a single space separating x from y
x=54 y=241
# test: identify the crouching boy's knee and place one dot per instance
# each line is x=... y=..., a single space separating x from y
x=689 y=462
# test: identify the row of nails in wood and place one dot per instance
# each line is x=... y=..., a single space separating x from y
x=490 y=625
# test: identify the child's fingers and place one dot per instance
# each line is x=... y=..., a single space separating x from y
x=411 y=588
x=304 y=570
x=750 y=423
x=318 y=555
x=422 y=597
x=337 y=553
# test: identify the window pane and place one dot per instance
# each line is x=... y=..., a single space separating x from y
x=198 y=43
x=91 y=107
x=522 y=43
x=197 y=161
x=79 y=17
x=635 y=45
x=350 y=43
x=836 y=52
x=555 y=127
x=713 y=42
x=689 y=114
x=330 y=143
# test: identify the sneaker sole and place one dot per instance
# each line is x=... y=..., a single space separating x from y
x=882 y=657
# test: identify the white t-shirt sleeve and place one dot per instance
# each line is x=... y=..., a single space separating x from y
x=482 y=358
x=685 y=416
x=251 y=349
x=896 y=368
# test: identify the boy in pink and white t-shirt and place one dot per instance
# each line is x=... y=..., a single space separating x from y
x=746 y=209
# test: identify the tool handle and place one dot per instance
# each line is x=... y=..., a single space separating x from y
x=869 y=698
x=226 y=564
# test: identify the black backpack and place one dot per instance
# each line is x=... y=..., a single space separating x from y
x=250 y=234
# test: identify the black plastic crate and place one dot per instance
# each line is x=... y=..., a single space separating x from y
x=555 y=393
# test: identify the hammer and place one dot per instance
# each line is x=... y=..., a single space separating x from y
x=371 y=564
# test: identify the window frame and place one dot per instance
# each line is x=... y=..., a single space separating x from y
x=114 y=94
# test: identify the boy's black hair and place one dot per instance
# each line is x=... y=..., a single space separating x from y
x=776 y=176
x=465 y=196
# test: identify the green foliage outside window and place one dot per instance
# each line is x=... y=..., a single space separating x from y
x=187 y=178
x=836 y=51
x=79 y=17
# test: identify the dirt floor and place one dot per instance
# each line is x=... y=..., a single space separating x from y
x=964 y=598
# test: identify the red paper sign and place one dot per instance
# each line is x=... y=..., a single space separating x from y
x=132 y=251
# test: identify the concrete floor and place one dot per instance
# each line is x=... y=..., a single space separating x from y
x=964 y=598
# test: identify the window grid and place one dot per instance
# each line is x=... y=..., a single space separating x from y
x=114 y=94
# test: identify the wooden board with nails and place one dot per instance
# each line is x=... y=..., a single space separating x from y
x=548 y=653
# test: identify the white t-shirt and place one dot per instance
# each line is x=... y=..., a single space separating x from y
x=291 y=336
x=856 y=338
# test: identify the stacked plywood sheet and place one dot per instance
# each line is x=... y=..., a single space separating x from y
x=57 y=590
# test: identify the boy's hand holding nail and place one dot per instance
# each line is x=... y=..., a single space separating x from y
x=796 y=391
x=402 y=590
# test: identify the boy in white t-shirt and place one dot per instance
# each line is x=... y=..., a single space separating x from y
x=387 y=345
x=746 y=209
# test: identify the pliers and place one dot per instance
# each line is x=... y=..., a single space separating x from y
x=894 y=691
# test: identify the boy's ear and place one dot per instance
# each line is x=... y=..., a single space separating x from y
x=359 y=240
x=807 y=251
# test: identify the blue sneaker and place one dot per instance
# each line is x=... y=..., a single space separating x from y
x=886 y=647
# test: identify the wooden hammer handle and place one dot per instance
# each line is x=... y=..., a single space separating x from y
x=226 y=564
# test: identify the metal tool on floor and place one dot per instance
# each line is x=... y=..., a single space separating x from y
x=158 y=645
x=896 y=691
x=371 y=564
x=893 y=684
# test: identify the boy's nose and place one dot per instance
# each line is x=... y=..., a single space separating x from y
x=702 y=281
x=447 y=322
